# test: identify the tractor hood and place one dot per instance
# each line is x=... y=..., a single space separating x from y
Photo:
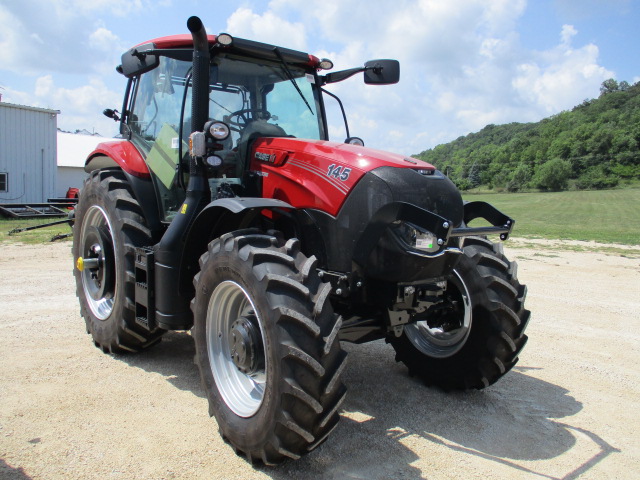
x=321 y=175
x=359 y=159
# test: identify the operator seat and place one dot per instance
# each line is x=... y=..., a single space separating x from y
x=252 y=131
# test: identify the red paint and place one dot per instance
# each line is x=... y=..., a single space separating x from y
x=125 y=155
x=176 y=41
x=298 y=171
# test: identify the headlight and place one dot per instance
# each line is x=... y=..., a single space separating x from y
x=325 y=64
x=214 y=161
x=224 y=39
x=416 y=237
x=218 y=130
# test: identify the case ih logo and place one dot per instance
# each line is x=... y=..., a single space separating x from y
x=265 y=157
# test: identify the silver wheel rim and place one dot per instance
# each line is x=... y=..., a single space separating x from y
x=100 y=302
x=437 y=343
x=243 y=393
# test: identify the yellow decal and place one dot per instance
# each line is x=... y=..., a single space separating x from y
x=183 y=210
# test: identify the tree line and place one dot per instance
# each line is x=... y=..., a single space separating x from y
x=593 y=146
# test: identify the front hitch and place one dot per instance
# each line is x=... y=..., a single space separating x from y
x=501 y=224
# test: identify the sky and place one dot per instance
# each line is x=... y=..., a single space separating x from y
x=464 y=63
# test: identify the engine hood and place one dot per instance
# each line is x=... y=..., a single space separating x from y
x=319 y=174
x=361 y=158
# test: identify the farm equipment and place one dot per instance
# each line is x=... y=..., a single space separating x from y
x=225 y=209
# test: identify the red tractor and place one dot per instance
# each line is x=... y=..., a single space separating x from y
x=226 y=209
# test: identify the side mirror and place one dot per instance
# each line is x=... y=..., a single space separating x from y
x=382 y=72
x=110 y=113
x=138 y=60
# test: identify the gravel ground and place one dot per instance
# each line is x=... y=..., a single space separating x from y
x=568 y=410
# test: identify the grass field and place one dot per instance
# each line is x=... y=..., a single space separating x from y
x=40 y=235
x=606 y=216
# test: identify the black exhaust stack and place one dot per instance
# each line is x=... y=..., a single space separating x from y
x=200 y=74
x=172 y=307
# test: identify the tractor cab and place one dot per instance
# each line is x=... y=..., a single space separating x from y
x=255 y=90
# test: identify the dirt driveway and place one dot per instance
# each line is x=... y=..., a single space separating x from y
x=568 y=410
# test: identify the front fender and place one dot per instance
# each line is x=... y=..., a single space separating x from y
x=219 y=217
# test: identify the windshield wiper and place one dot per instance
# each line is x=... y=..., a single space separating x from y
x=291 y=78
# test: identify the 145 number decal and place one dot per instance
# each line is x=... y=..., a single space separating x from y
x=339 y=172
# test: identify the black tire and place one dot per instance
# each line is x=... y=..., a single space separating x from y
x=109 y=225
x=283 y=400
x=484 y=318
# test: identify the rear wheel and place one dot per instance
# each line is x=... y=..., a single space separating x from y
x=475 y=335
x=267 y=346
x=109 y=224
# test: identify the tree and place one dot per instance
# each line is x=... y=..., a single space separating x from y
x=603 y=131
x=609 y=86
x=474 y=175
x=553 y=175
x=519 y=178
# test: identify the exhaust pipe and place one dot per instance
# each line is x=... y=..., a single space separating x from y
x=172 y=306
x=200 y=75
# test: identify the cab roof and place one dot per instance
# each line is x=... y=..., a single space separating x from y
x=239 y=45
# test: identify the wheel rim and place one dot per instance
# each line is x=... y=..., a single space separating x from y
x=440 y=341
x=97 y=248
x=236 y=348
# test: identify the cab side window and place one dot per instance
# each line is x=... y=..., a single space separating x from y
x=155 y=126
x=158 y=100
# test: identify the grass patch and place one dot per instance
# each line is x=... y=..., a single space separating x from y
x=603 y=216
x=31 y=237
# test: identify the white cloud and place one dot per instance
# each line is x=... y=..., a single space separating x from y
x=65 y=42
x=268 y=28
x=104 y=40
x=79 y=107
x=462 y=63
x=560 y=78
x=462 y=66
x=567 y=33
x=62 y=38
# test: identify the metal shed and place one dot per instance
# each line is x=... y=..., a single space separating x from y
x=27 y=153
x=73 y=150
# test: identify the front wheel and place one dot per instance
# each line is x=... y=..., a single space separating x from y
x=474 y=336
x=267 y=346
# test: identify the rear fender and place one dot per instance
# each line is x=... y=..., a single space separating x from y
x=123 y=155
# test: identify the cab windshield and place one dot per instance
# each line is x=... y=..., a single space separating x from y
x=243 y=92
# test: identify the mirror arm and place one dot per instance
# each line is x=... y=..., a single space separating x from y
x=342 y=75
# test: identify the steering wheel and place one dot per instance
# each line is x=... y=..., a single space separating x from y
x=242 y=119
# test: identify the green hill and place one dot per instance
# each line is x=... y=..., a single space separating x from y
x=595 y=145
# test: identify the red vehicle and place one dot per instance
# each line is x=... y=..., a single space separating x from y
x=226 y=209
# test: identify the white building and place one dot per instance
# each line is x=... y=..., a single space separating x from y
x=27 y=153
x=73 y=150
x=37 y=162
